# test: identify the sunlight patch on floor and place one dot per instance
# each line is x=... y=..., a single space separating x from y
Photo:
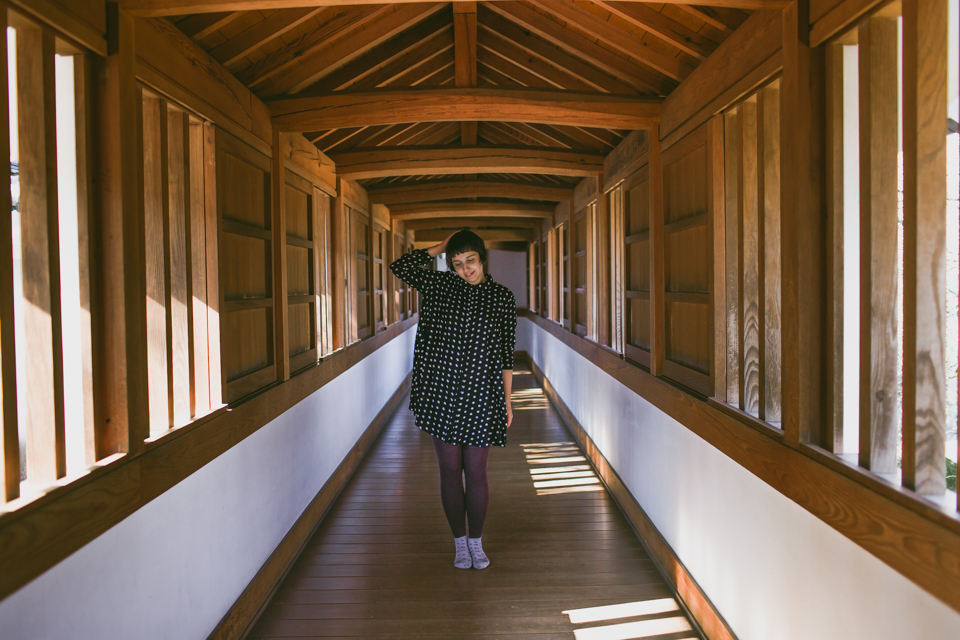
x=565 y=478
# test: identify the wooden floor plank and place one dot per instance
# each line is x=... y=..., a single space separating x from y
x=381 y=563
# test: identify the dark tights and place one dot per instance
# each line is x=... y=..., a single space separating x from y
x=454 y=460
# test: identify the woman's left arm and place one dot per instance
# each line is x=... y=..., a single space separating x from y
x=508 y=341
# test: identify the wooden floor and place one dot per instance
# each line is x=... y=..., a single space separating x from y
x=381 y=564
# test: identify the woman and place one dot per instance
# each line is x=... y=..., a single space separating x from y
x=462 y=376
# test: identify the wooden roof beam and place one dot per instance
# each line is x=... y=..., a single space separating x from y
x=446 y=190
x=465 y=52
x=458 y=222
x=488 y=235
x=424 y=161
x=424 y=211
x=395 y=106
x=157 y=8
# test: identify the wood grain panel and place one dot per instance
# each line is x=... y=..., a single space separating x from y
x=9 y=410
x=768 y=145
x=197 y=294
x=248 y=333
x=749 y=257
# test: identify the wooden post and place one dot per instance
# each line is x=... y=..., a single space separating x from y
x=801 y=229
x=749 y=258
x=718 y=291
x=40 y=243
x=657 y=339
x=212 y=272
x=768 y=128
x=155 y=211
x=337 y=264
x=616 y=239
x=197 y=274
x=590 y=223
x=9 y=438
x=603 y=298
x=731 y=153
x=320 y=211
x=835 y=272
x=280 y=304
x=925 y=45
x=177 y=273
x=878 y=244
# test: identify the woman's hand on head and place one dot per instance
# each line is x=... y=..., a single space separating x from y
x=437 y=249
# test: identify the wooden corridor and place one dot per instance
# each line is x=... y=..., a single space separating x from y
x=381 y=563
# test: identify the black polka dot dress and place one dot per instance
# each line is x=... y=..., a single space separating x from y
x=465 y=340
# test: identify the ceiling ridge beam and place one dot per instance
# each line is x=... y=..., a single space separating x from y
x=379 y=162
x=395 y=106
x=465 y=59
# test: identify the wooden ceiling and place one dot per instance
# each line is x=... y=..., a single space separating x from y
x=615 y=59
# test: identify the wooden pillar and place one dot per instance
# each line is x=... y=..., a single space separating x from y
x=197 y=299
x=924 y=244
x=178 y=262
x=878 y=244
x=801 y=229
x=603 y=296
x=280 y=302
x=717 y=227
x=40 y=245
x=321 y=249
x=590 y=223
x=749 y=259
x=212 y=254
x=617 y=282
x=337 y=269
x=657 y=339
x=731 y=257
x=768 y=147
x=155 y=210
x=9 y=438
x=833 y=440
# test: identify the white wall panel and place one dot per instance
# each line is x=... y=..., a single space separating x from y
x=173 y=568
x=772 y=569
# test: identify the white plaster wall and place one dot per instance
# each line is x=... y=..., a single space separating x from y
x=774 y=571
x=173 y=568
x=509 y=268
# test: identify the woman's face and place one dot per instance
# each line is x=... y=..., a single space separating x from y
x=468 y=266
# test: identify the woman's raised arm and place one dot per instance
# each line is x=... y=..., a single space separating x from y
x=407 y=268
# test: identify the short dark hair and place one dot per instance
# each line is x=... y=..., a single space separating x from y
x=464 y=241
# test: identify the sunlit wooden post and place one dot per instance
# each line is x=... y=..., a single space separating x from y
x=925 y=44
x=879 y=123
x=40 y=242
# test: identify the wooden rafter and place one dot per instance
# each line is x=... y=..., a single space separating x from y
x=355 y=109
x=259 y=34
x=445 y=190
x=661 y=26
x=198 y=27
x=534 y=45
x=617 y=38
x=392 y=58
x=575 y=44
x=388 y=21
x=410 y=161
x=156 y=8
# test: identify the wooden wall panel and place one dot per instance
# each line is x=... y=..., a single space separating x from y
x=688 y=203
x=637 y=264
x=247 y=327
x=731 y=154
x=768 y=174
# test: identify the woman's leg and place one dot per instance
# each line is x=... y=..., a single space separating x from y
x=450 y=457
x=478 y=490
